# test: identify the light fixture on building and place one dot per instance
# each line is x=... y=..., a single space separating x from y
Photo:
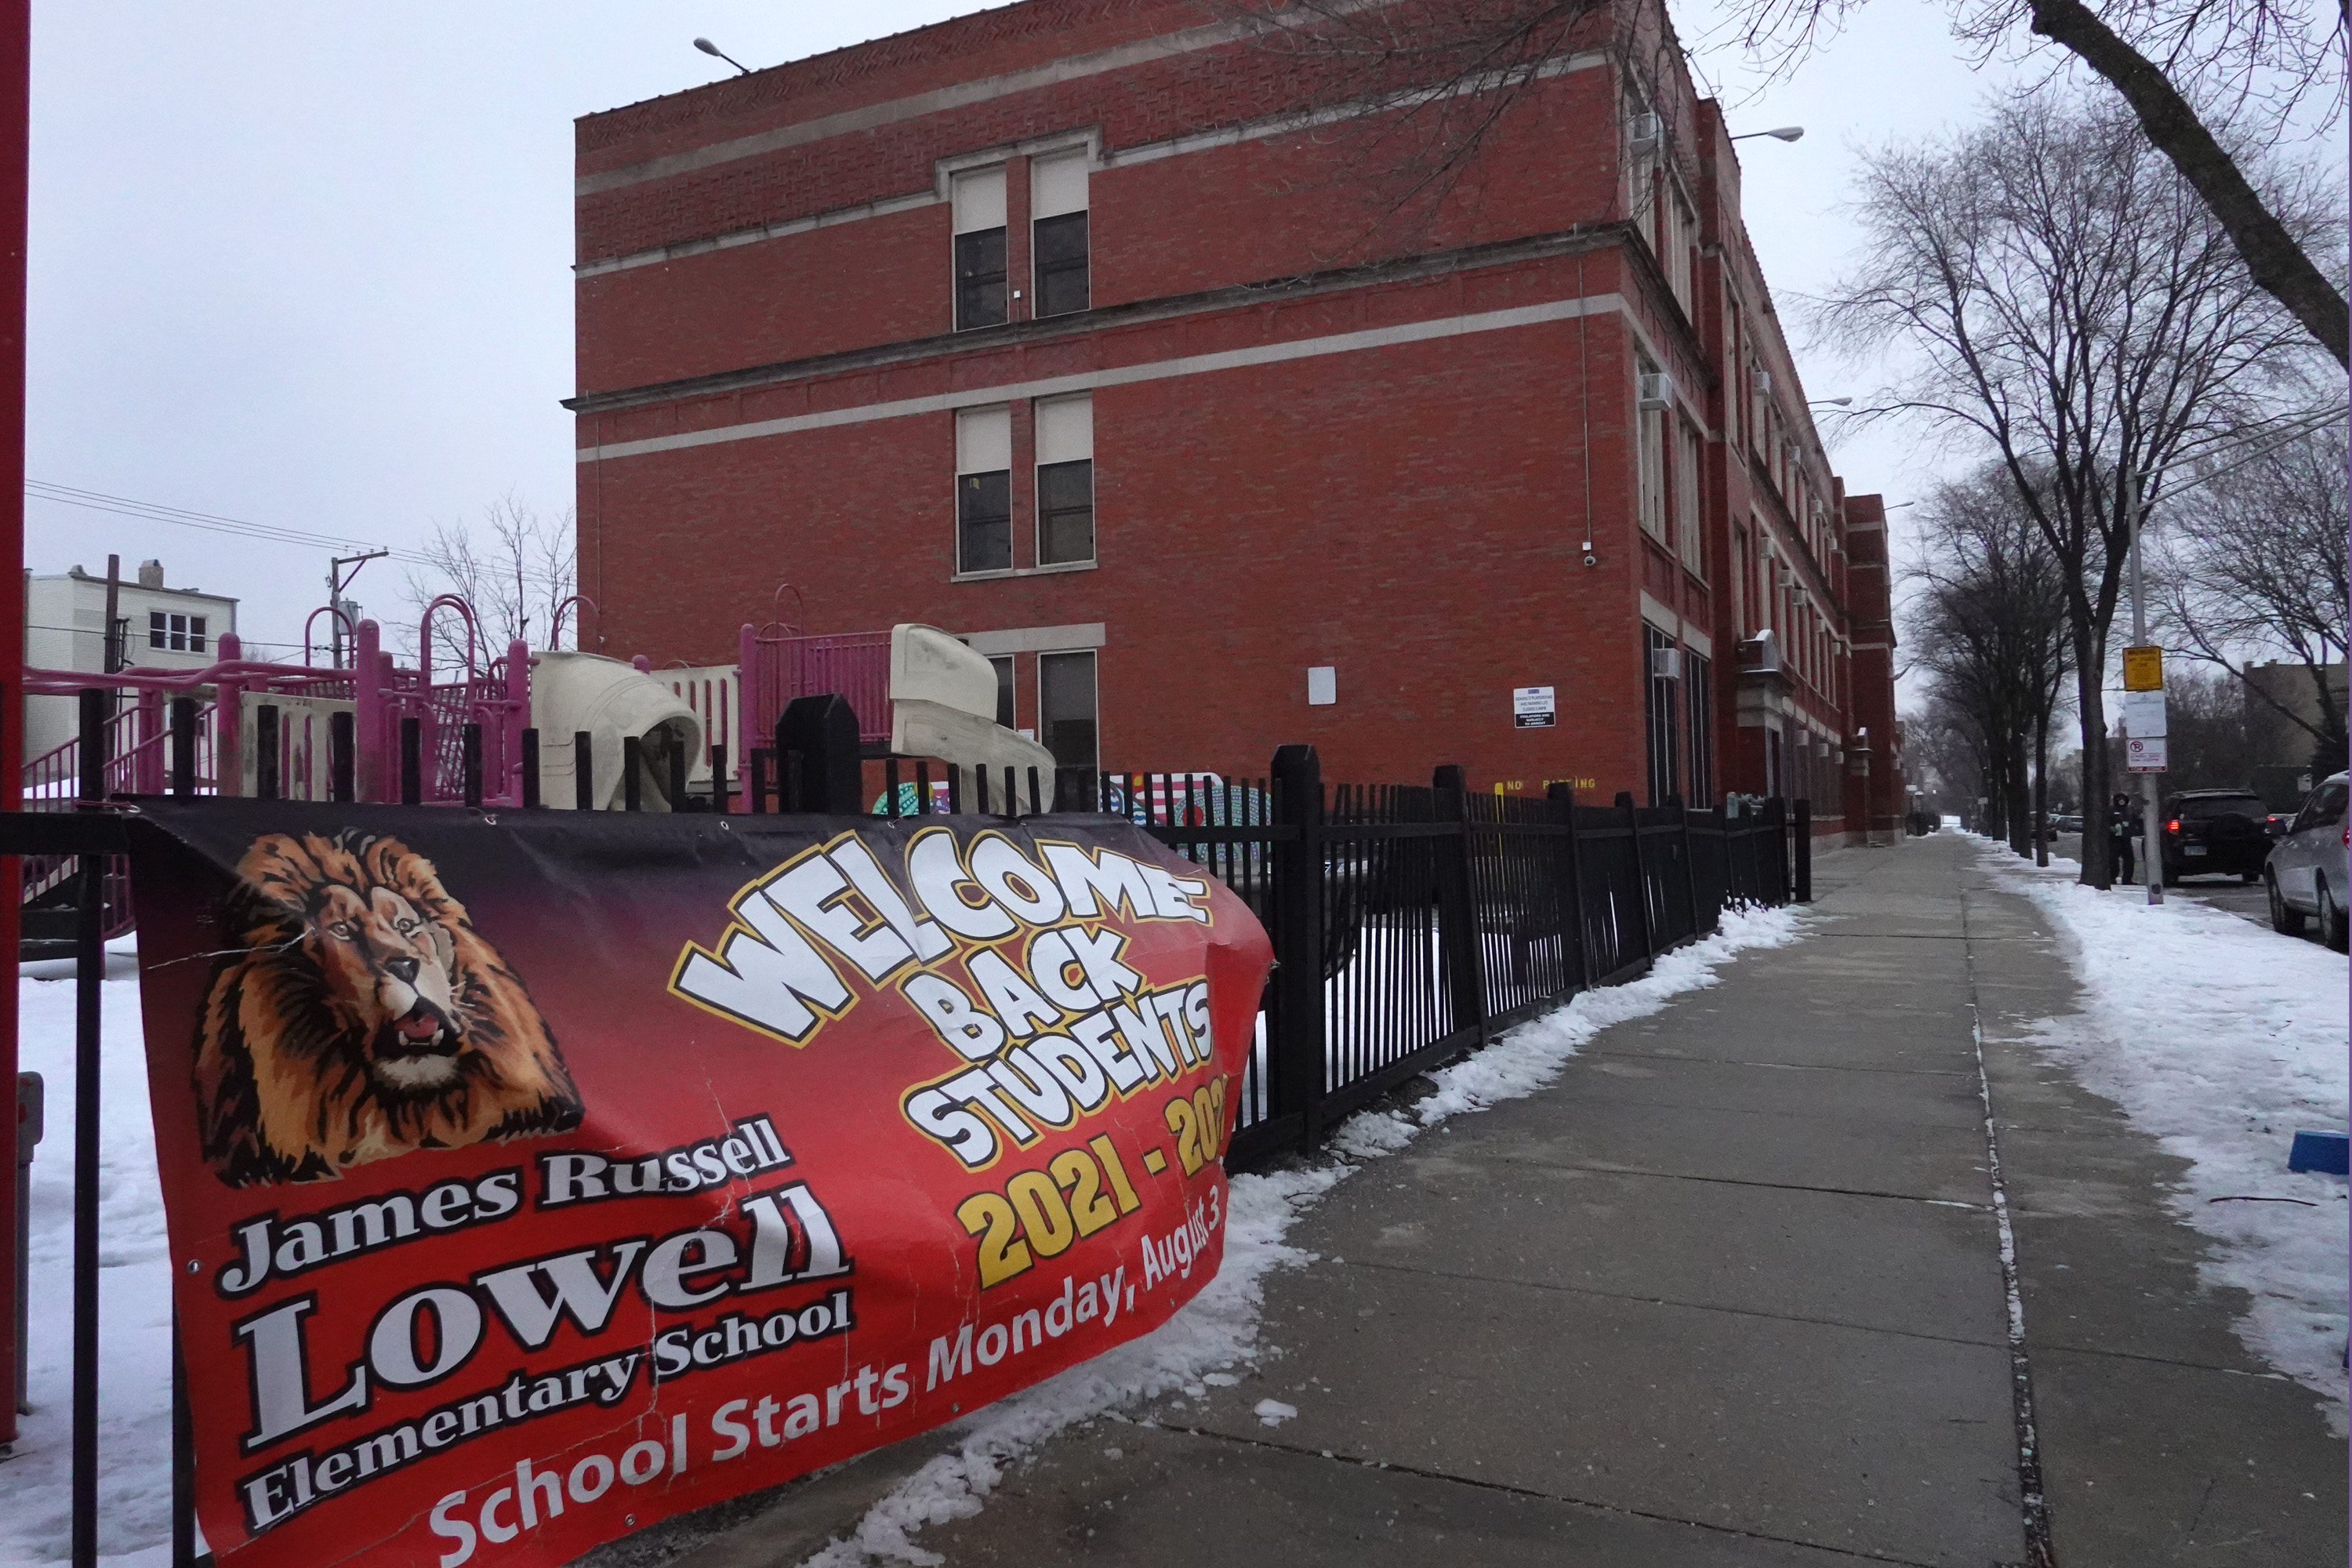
x=1779 y=134
x=708 y=48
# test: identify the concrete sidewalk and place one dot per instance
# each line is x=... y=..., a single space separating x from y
x=1731 y=1292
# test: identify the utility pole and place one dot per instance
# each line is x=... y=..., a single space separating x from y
x=2151 y=858
x=336 y=584
x=110 y=652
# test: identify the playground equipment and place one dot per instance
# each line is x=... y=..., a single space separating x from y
x=253 y=727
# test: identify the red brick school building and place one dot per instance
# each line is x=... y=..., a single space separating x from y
x=1043 y=325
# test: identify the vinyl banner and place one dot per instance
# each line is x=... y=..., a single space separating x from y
x=533 y=1176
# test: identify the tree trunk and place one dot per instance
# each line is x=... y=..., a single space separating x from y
x=2042 y=788
x=2098 y=851
x=2020 y=811
x=2278 y=264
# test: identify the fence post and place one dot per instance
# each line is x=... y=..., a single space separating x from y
x=89 y=974
x=530 y=769
x=265 y=752
x=824 y=731
x=1295 y=1055
x=1804 y=851
x=1457 y=902
x=1560 y=799
x=340 y=742
x=412 y=761
x=583 y=770
x=1776 y=834
x=1640 y=874
x=367 y=713
x=1690 y=863
x=184 y=745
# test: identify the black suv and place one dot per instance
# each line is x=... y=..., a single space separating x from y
x=2215 y=832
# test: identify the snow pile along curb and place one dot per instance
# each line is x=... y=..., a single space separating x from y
x=1219 y=1328
x=2222 y=1040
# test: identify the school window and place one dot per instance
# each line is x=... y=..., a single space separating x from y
x=1698 y=701
x=1681 y=227
x=1686 y=508
x=1661 y=660
x=1651 y=424
x=178 y=633
x=1057 y=232
x=1003 y=664
x=1065 y=479
x=977 y=199
x=983 y=489
x=1066 y=709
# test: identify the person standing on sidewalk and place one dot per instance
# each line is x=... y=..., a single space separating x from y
x=2121 y=823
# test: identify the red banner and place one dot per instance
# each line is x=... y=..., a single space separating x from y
x=532 y=1178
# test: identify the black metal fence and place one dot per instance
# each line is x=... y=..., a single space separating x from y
x=1411 y=923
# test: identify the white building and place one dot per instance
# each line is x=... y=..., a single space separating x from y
x=65 y=628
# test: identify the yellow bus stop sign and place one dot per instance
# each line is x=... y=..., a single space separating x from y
x=2143 y=669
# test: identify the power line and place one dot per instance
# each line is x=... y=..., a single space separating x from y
x=152 y=512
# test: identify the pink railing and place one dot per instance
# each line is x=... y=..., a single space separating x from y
x=778 y=665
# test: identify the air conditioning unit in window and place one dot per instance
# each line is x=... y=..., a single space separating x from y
x=1642 y=131
x=1666 y=663
x=1763 y=383
x=1654 y=389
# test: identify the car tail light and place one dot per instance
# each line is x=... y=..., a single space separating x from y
x=2173 y=826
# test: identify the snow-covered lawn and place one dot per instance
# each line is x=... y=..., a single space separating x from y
x=1218 y=1330
x=2223 y=1039
x=134 y=1437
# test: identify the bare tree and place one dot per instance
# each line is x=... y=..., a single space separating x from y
x=2189 y=70
x=1427 y=82
x=2256 y=564
x=2057 y=295
x=515 y=570
x=1989 y=627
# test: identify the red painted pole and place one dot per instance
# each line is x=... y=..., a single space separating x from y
x=16 y=111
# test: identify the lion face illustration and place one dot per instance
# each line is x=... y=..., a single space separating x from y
x=362 y=1016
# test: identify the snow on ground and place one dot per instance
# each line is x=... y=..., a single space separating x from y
x=134 y=1440
x=1218 y=1329
x=2223 y=1039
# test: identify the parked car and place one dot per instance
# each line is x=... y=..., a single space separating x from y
x=2215 y=832
x=2310 y=869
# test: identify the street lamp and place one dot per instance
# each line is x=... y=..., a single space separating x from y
x=1830 y=403
x=708 y=48
x=1779 y=134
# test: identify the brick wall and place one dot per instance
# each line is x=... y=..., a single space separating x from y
x=1413 y=514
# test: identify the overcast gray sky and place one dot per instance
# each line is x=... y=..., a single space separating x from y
x=308 y=265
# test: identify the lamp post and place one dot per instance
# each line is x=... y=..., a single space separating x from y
x=1778 y=133
x=708 y=48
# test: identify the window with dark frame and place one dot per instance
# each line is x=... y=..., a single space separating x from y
x=977 y=204
x=979 y=279
x=1698 y=698
x=1003 y=664
x=175 y=632
x=1066 y=512
x=1059 y=247
x=1066 y=709
x=1057 y=232
x=985 y=521
x=1659 y=711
